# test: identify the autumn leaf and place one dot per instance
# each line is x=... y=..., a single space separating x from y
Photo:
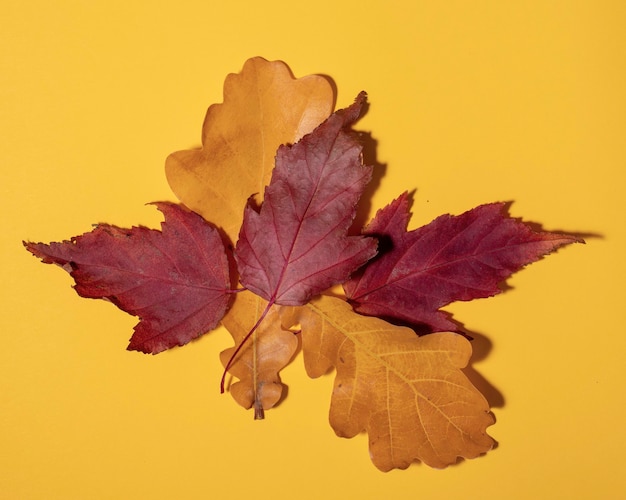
x=297 y=245
x=176 y=280
x=407 y=392
x=264 y=106
x=258 y=363
x=453 y=258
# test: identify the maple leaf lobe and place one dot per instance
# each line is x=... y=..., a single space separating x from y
x=176 y=280
x=452 y=258
x=296 y=245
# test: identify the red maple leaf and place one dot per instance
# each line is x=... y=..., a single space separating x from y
x=297 y=245
x=176 y=280
x=452 y=258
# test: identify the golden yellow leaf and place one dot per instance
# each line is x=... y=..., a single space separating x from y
x=407 y=392
x=264 y=106
x=267 y=351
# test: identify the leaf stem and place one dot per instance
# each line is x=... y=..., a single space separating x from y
x=242 y=343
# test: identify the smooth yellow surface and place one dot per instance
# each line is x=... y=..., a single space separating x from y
x=471 y=102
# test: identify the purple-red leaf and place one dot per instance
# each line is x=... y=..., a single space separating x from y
x=176 y=280
x=453 y=258
x=297 y=246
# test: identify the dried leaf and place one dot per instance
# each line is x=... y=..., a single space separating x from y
x=407 y=392
x=297 y=245
x=176 y=280
x=264 y=106
x=269 y=350
x=453 y=258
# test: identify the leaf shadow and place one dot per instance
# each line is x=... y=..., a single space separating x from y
x=481 y=347
x=370 y=157
x=538 y=227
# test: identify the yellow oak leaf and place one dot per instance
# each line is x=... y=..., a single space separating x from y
x=407 y=392
x=264 y=106
x=268 y=350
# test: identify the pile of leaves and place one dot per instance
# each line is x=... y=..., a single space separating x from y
x=265 y=232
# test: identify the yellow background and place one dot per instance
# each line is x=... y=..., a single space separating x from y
x=471 y=102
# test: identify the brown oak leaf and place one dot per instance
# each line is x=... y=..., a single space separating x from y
x=264 y=106
x=407 y=392
x=258 y=363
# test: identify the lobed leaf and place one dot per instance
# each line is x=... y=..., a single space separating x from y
x=453 y=258
x=176 y=280
x=258 y=363
x=264 y=106
x=297 y=245
x=407 y=392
